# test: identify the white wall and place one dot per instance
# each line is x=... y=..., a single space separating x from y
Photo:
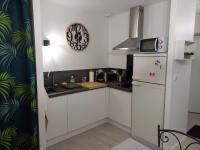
x=156 y=24
x=118 y=32
x=103 y=35
x=55 y=20
x=197 y=25
x=156 y=20
x=179 y=72
x=195 y=79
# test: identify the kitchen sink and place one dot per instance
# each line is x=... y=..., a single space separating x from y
x=61 y=88
x=50 y=89
x=72 y=86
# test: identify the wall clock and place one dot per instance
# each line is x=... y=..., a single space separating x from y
x=77 y=36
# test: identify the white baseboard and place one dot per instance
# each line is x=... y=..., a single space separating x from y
x=124 y=128
x=75 y=132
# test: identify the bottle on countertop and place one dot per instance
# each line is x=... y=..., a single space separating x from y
x=100 y=75
x=72 y=79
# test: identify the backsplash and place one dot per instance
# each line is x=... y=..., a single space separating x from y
x=64 y=76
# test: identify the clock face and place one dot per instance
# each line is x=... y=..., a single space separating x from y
x=77 y=36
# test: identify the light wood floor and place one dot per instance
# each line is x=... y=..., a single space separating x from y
x=103 y=137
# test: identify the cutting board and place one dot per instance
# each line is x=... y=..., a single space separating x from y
x=93 y=85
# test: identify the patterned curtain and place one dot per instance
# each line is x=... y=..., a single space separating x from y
x=18 y=97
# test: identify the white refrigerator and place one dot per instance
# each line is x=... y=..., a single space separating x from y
x=149 y=79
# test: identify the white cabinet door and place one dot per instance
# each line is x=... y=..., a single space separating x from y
x=57 y=117
x=148 y=110
x=86 y=108
x=120 y=107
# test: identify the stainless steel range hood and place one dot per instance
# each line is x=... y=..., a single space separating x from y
x=135 y=30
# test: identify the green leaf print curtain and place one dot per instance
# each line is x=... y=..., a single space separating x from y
x=18 y=97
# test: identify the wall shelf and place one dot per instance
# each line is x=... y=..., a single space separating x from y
x=188 y=43
x=181 y=47
x=185 y=59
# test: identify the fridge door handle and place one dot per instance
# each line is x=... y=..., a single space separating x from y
x=156 y=45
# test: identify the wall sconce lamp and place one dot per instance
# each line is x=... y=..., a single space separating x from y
x=46 y=42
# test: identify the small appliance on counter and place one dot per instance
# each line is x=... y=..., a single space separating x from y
x=100 y=75
x=153 y=45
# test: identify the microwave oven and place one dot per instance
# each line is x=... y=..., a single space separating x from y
x=153 y=45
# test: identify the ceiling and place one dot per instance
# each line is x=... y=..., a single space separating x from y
x=107 y=7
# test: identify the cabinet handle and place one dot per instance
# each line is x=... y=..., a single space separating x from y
x=46 y=122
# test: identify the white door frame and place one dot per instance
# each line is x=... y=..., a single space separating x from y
x=39 y=73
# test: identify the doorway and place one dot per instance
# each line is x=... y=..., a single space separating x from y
x=194 y=103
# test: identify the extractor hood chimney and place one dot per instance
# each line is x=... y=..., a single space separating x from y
x=135 y=30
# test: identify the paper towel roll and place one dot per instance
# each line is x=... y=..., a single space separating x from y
x=91 y=76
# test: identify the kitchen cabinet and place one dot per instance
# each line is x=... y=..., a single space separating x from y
x=57 y=117
x=86 y=108
x=120 y=107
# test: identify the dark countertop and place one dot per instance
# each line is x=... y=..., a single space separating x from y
x=60 y=91
x=66 y=92
x=119 y=86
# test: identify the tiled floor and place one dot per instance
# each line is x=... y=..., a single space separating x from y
x=103 y=137
x=194 y=119
x=107 y=136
